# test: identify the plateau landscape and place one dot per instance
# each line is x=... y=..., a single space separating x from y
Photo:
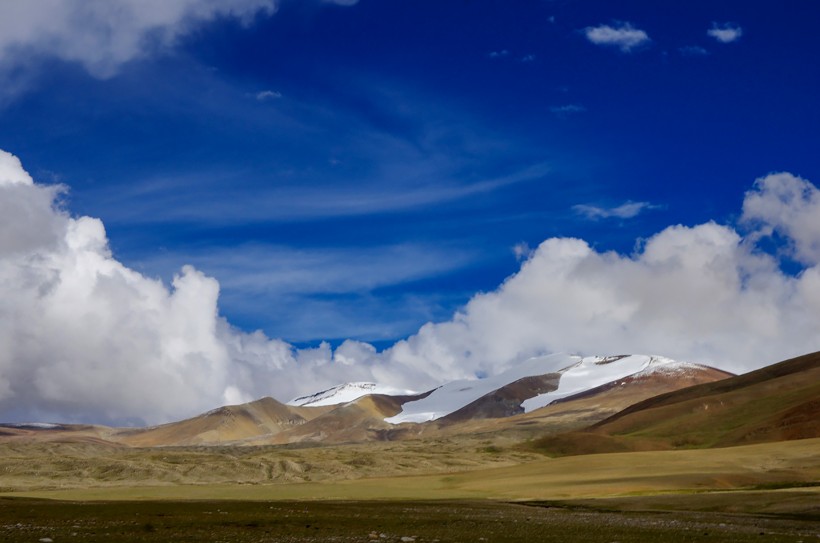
x=412 y=272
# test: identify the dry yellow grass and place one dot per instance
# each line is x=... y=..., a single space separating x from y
x=765 y=465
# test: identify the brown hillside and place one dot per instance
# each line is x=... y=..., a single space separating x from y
x=506 y=401
x=356 y=421
x=580 y=410
x=229 y=424
x=779 y=402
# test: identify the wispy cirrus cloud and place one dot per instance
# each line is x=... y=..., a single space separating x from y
x=623 y=36
x=627 y=210
x=693 y=51
x=265 y=95
x=218 y=202
x=330 y=288
x=725 y=32
x=567 y=110
x=324 y=158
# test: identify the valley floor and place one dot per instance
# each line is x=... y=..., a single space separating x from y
x=404 y=470
x=25 y=520
x=408 y=492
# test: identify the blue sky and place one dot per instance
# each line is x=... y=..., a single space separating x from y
x=354 y=170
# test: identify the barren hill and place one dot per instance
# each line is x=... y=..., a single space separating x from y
x=573 y=391
x=230 y=424
x=776 y=403
x=568 y=413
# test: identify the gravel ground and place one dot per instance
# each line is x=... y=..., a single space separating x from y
x=40 y=521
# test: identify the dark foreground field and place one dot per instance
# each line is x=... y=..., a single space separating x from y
x=27 y=520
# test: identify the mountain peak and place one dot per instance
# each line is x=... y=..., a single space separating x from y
x=573 y=374
x=344 y=393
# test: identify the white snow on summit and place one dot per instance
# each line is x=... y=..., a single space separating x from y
x=456 y=394
x=577 y=375
x=345 y=393
x=594 y=371
x=38 y=425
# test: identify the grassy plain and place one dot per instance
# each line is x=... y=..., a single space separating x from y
x=768 y=465
x=764 y=492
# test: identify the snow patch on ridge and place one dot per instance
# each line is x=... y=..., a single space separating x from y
x=594 y=371
x=454 y=395
x=345 y=393
x=577 y=375
x=33 y=425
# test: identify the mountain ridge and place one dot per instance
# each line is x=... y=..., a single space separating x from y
x=776 y=403
x=352 y=413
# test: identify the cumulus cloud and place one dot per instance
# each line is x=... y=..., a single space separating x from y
x=704 y=293
x=726 y=32
x=627 y=210
x=85 y=338
x=789 y=206
x=103 y=35
x=624 y=36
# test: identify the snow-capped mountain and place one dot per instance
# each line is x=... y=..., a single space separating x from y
x=594 y=371
x=346 y=392
x=534 y=397
x=574 y=374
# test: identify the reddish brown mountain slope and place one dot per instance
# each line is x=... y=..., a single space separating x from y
x=776 y=403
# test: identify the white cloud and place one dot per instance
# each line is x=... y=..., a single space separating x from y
x=103 y=35
x=726 y=32
x=417 y=180
x=499 y=54
x=264 y=96
x=522 y=251
x=693 y=51
x=330 y=289
x=83 y=337
x=703 y=293
x=12 y=172
x=627 y=210
x=789 y=206
x=567 y=110
x=624 y=36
